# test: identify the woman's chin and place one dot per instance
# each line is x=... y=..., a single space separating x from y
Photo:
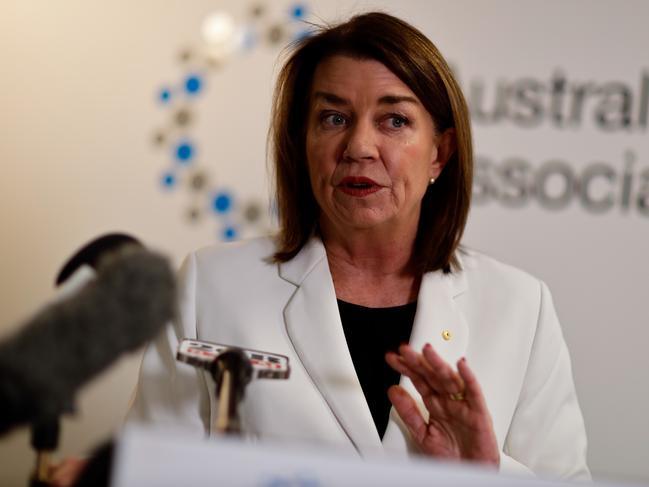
x=367 y=220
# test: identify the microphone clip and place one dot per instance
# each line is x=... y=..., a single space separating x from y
x=232 y=372
x=232 y=369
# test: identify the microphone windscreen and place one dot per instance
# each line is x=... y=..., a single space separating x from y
x=72 y=340
x=92 y=252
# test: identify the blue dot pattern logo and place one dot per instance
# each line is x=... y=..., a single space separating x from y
x=193 y=84
x=298 y=11
x=168 y=180
x=231 y=215
x=184 y=152
x=165 y=95
x=230 y=233
x=222 y=203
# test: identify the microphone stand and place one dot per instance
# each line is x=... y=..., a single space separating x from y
x=45 y=432
x=232 y=372
x=44 y=439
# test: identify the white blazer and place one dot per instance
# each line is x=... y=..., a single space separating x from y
x=500 y=318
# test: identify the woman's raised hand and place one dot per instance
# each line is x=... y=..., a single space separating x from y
x=459 y=425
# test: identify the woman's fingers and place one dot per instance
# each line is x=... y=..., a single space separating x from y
x=442 y=389
x=431 y=398
x=417 y=363
x=473 y=392
x=397 y=363
x=451 y=381
x=433 y=369
x=458 y=422
x=408 y=411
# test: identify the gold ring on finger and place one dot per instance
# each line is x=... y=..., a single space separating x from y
x=458 y=396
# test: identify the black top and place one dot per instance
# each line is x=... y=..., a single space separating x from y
x=370 y=333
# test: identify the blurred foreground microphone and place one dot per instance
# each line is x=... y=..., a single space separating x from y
x=232 y=369
x=71 y=340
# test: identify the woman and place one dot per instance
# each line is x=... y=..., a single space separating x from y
x=372 y=151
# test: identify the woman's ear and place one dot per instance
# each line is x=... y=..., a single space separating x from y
x=446 y=147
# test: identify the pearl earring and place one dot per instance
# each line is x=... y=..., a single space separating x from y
x=431 y=181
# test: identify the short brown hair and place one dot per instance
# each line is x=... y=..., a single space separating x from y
x=413 y=58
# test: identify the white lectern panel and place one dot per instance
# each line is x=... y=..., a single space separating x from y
x=154 y=458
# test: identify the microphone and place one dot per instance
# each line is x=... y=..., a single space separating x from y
x=232 y=372
x=232 y=369
x=91 y=254
x=203 y=354
x=73 y=339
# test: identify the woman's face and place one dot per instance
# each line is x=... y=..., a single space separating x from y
x=371 y=146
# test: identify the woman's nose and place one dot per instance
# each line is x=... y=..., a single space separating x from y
x=361 y=142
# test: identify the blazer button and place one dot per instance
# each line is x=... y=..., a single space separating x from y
x=447 y=335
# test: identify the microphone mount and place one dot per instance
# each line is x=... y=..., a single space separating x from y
x=232 y=372
x=232 y=369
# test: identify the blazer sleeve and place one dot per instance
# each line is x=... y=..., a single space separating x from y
x=169 y=392
x=547 y=433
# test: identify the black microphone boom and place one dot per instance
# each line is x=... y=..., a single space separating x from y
x=69 y=342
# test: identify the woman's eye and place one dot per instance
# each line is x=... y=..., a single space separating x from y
x=397 y=121
x=334 y=119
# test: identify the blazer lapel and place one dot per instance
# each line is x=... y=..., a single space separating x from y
x=440 y=322
x=315 y=330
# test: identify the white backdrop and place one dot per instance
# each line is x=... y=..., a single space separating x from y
x=559 y=94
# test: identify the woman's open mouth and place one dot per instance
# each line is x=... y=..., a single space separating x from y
x=358 y=186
